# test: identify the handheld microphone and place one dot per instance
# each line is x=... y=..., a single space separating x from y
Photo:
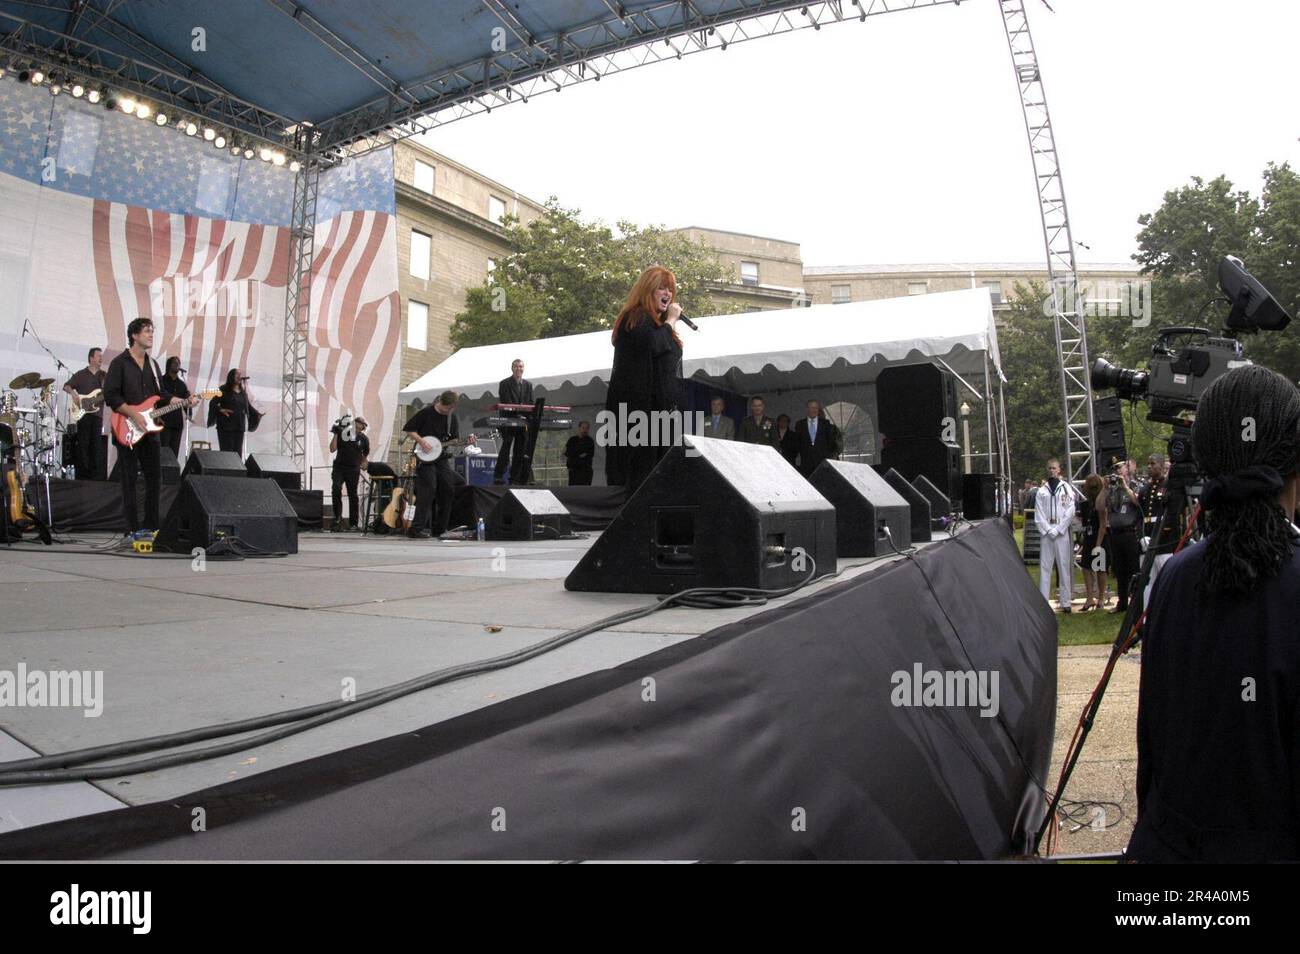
x=244 y=378
x=687 y=322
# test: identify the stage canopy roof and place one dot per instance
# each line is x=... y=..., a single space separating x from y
x=822 y=346
x=365 y=72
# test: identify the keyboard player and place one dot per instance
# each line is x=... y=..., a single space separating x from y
x=512 y=454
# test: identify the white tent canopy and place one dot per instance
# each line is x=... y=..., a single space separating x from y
x=824 y=345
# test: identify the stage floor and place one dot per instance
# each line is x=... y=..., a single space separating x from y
x=181 y=648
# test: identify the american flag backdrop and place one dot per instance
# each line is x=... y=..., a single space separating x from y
x=105 y=217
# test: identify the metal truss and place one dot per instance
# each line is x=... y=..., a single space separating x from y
x=297 y=315
x=148 y=71
x=535 y=65
x=1067 y=308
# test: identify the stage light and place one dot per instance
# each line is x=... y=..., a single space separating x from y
x=24 y=76
x=277 y=158
x=94 y=96
x=110 y=101
x=220 y=141
x=143 y=111
x=264 y=154
x=56 y=88
x=127 y=104
x=78 y=91
x=209 y=133
x=248 y=152
x=191 y=128
x=295 y=165
x=161 y=119
x=37 y=77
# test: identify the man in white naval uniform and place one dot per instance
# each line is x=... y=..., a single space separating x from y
x=1053 y=512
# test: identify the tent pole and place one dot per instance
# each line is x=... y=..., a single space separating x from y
x=988 y=411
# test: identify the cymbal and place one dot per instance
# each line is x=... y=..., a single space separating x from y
x=27 y=380
x=42 y=383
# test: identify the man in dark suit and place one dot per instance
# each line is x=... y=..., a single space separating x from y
x=514 y=390
x=787 y=440
x=816 y=436
x=717 y=424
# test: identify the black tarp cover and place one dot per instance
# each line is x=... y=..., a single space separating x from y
x=771 y=738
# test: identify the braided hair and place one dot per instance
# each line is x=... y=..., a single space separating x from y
x=1246 y=437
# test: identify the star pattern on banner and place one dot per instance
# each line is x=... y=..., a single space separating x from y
x=106 y=154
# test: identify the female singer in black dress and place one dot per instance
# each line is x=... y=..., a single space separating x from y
x=646 y=372
x=232 y=414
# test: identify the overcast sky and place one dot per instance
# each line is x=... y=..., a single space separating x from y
x=901 y=139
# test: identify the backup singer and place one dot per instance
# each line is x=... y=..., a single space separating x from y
x=435 y=480
x=646 y=370
x=91 y=447
x=174 y=387
x=233 y=414
x=1217 y=760
x=132 y=378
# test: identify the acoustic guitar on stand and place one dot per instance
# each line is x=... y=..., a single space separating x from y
x=125 y=429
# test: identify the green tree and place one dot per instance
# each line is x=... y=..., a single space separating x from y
x=565 y=276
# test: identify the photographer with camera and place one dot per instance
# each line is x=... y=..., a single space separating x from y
x=1218 y=761
x=1124 y=527
x=351 y=448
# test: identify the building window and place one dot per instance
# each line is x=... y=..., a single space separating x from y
x=417 y=326
x=749 y=273
x=421 y=251
x=424 y=176
x=840 y=295
x=492 y=267
x=995 y=291
x=917 y=288
x=496 y=209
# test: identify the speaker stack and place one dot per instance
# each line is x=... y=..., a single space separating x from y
x=979 y=496
x=1109 y=437
x=865 y=507
x=712 y=513
x=915 y=404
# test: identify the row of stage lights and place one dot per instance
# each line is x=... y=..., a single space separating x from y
x=220 y=139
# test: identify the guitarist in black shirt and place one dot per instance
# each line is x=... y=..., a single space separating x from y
x=435 y=480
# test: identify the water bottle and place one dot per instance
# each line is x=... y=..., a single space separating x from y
x=480 y=531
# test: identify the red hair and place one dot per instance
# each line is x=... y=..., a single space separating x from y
x=641 y=300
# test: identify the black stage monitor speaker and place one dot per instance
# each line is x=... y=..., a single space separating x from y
x=712 y=513
x=253 y=514
x=912 y=401
x=979 y=496
x=920 y=506
x=277 y=467
x=865 y=505
x=939 y=462
x=210 y=463
x=940 y=503
x=528 y=515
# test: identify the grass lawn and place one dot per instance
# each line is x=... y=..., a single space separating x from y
x=1097 y=628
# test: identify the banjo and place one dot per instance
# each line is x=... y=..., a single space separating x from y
x=456 y=448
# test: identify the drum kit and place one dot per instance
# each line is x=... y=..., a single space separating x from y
x=29 y=432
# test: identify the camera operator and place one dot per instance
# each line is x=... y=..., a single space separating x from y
x=351 y=448
x=1124 y=525
x=1220 y=687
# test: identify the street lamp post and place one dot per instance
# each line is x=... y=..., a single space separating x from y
x=965 y=435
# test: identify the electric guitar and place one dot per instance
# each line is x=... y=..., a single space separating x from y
x=128 y=433
x=457 y=448
x=82 y=404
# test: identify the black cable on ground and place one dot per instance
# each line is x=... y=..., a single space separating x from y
x=59 y=767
